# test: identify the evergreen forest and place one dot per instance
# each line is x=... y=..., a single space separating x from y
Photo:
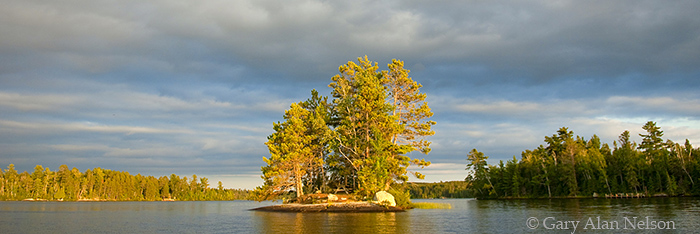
x=446 y=189
x=571 y=166
x=107 y=185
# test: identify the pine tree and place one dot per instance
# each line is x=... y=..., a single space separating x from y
x=11 y=180
x=480 y=178
x=365 y=126
x=410 y=111
x=657 y=157
x=291 y=154
x=318 y=127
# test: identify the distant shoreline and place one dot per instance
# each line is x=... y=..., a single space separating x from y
x=660 y=195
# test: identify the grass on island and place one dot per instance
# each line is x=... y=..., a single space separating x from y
x=431 y=205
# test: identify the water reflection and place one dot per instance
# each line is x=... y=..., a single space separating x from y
x=466 y=216
x=278 y=222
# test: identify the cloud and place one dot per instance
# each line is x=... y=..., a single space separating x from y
x=437 y=172
x=83 y=127
x=662 y=106
x=39 y=102
x=620 y=106
x=97 y=83
x=504 y=128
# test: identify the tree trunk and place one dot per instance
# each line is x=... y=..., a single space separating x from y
x=494 y=188
x=683 y=163
x=299 y=184
x=549 y=191
x=323 y=175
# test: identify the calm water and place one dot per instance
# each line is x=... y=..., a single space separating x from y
x=466 y=216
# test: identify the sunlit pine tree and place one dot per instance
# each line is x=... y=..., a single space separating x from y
x=410 y=111
x=291 y=156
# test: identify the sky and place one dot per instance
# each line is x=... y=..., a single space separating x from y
x=157 y=87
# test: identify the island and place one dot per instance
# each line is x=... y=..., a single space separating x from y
x=358 y=140
x=334 y=207
x=382 y=202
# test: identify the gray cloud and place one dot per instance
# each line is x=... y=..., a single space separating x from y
x=158 y=87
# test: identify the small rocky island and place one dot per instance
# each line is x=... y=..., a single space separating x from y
x=382 y=202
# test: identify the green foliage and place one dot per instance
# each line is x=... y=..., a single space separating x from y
x=60 y=194
x=448 y=189
x=480 y=178
x=291 y=151
x=100 y=184
x=358 y=141
x=572 y=166
x=402 y=197
x=365 y=125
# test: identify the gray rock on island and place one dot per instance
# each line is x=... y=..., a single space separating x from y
x=384 y=198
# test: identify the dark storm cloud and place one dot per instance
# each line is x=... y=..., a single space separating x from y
x=157 y=87
x=536 y=41
x=547 y=39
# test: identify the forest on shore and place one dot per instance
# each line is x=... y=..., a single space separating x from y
x=107 y=185
x=445 y=189
x=569 y=166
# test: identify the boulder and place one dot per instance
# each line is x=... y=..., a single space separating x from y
x=384 y=198
x=332 y=197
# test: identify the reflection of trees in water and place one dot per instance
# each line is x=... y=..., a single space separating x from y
x=278 y=222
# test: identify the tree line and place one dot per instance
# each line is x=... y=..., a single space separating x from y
x=104 y=184
x=569 y=166
x=356 y=140
x=446 y=189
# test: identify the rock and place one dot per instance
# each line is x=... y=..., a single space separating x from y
x=385 y=198
x=332 y=197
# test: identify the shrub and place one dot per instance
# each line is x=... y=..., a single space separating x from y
x=401 y=196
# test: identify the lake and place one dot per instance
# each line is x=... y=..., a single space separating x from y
x=644 y=215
